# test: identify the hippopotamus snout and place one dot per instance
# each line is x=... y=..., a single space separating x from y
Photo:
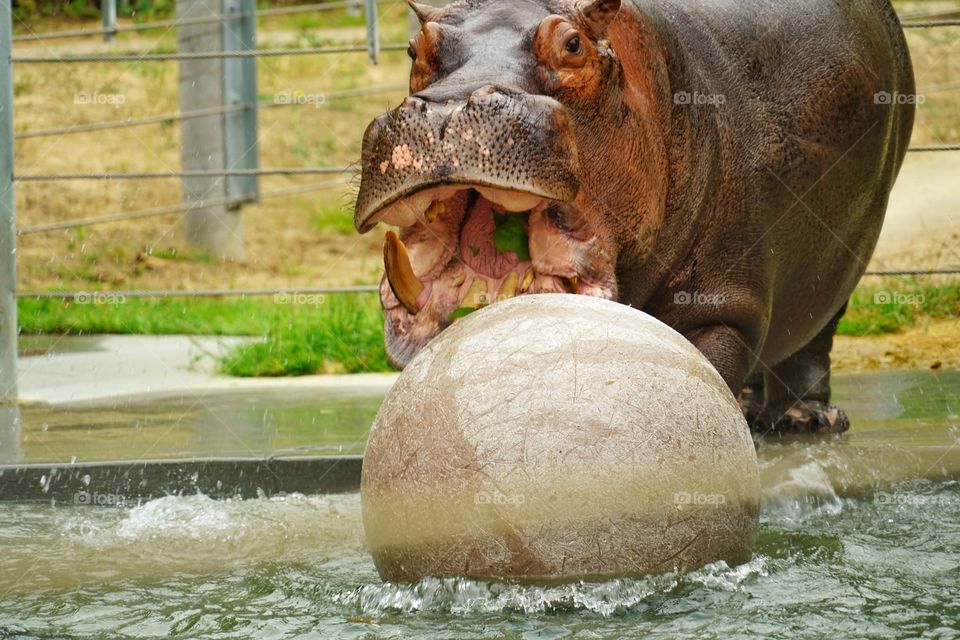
x=483 y=185
x=492 y=137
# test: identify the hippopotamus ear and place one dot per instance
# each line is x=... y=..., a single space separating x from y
x=598 y=14
x=425 y=13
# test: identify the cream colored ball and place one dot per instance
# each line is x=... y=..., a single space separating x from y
x=558 y=437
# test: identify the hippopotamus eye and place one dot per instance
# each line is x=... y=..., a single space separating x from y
x=557 y=218
x=573 y=45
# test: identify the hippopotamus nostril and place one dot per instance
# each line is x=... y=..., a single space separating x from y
x=411 y=102
x=481 y=93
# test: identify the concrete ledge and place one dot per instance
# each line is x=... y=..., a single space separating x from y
x=786 y=473
x=125 y=483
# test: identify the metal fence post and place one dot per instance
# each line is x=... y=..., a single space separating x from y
x=108 y=8
x=373 y=31
x=8 y=226
x=240 y=88
x=214 y=228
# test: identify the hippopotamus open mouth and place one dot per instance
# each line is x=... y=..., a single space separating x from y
x=471 y=230
x=483 y=189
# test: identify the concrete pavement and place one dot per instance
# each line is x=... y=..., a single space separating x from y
x=97 y=368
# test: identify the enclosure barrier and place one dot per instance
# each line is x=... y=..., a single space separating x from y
x=231 y=107
x=238 y=105
x=8 y=227
x=110 y=27
x=149 y=479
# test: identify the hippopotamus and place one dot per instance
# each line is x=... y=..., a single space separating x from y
x=722 y=165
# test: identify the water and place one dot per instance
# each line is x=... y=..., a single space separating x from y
x=897 y=407
x=849 y=547
x=276 y=422
x=295 y=567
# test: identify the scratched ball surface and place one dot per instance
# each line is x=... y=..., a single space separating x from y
x=558 y=436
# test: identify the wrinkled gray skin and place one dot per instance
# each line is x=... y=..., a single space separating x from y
x=745 y=225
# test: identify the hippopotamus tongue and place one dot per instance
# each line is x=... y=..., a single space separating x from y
x=488 y=240
x=478 y=243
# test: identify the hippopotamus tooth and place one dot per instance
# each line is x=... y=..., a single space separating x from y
x=405 y=284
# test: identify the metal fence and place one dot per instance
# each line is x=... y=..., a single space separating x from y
x=235 y=98
x=209 y=190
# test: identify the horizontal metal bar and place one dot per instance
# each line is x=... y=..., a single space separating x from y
x=938 y=88
x=335 y=95
x=57 y=177
x=198 y=113
x=915 y=272
x=935 y=147
x=928 y=24
x=118 y=124
x=202 y=55
x=370 y=288
x=328 y=6
x=171 y=209
x=358 y=289
x=202 y=293
x=304 y=188
x=910 y=17
x=174 y=23
x=128 y=215
x=308 y=8
x=143 y=26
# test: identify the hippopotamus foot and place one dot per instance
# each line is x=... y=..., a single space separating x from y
x=795 y=394
x=804 y=417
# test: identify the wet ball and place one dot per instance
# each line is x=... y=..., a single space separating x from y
x=558 y=437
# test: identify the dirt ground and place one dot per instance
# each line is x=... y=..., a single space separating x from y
x=930 y=345
x=307 y=240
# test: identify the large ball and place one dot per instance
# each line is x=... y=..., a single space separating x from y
x=558 y=436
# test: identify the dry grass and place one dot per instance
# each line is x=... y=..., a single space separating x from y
x=298 y=241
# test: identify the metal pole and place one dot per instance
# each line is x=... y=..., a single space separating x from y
x=108 y=8
x=216 y=229
x=8 y=227
x=241 y=145
x=373 y=31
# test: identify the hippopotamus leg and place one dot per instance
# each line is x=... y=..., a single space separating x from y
x=751 y=399
x=796 y=392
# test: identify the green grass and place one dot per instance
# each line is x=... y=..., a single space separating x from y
x=344 y=334
x=887 y=307
x=303 y=334
x=147 y=317
x=333 y=217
